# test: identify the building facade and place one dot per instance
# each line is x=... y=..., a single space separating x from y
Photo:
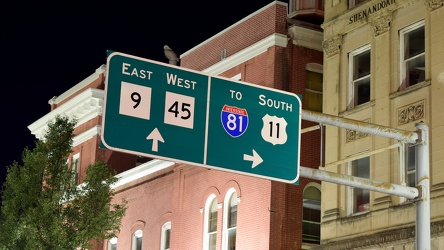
x=180 y=206
x=383 y=64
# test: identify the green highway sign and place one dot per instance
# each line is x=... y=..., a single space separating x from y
x=176 y=114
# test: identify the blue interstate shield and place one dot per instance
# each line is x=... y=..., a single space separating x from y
x=234 y=120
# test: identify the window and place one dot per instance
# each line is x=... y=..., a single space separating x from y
x=230 y=222
x=137 y=240
x=210 y=229
x=410 y=165
x=313 y=89
x=353 y=3
x=311 y=214
x=112 y=244
x=412 y=52
x=359 y=199
x=75 y=169
x=165 y=237
x=359 y=75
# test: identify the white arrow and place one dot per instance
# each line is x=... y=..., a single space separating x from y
x=156 y=137
x=255 y=158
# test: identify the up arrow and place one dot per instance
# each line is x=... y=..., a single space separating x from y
x=156 y=137
x=255 y=158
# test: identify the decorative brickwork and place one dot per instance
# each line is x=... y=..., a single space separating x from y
x=381 y=24
x=411 y=113
x=434 y=4
x=332 y=45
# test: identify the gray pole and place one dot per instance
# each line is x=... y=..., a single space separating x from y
x=422 y=193
x=422 y=231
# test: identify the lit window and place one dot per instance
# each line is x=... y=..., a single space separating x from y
x=412 y=52
x=137 y=240
x=313 y=91
x=112 y=244
x=410 y=165
x=230 y=222
x=359 y=199
x=353 y=3
x=75 y=169
x=311 y=215
x=165 y=238
x=210 y=229
x=359 y=75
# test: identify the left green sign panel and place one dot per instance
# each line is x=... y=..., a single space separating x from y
x=154 y=108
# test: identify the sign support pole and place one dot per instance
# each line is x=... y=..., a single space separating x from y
x=420 y=193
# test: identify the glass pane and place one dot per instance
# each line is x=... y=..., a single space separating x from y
x=232 y=211
x=362 y=91
x=361 y=197
x=361 y=167
x=361 y=65
x=212 y=217
x=232 y=239
x=414 y=43
x=167 y=239
x=212 y=242
x=139 y=243
x=415 y=70
x=361 y=200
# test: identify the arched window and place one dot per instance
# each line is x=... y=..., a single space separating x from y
x=137 y=240
x=112 y=244
x=165 y=238
x=210 y=227
x=311 y=214
x=230 y=221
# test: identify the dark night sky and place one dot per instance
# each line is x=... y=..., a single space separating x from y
x=46 y=48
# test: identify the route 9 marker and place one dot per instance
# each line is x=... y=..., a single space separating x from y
x=163 y=111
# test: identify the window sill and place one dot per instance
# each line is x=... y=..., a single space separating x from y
x=357 y=109
x=410 y=89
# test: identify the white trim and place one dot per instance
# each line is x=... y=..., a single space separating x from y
x=247 y=53
x=305 y=37
x=85 y=82
x=351 y=82
x=141 y=171
x=402 y=32
x=90 y=133
x=84 y=107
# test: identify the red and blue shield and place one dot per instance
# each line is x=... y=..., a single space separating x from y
x=234 y=120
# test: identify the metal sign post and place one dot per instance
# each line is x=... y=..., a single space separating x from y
x=421 y=192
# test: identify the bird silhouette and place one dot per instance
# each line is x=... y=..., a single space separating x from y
x=171 y=55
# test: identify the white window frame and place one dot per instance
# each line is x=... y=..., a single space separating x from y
x=350 y=190
x=75 y=164
x=206 y=238
x=402 y=60
x=352 y=98
x=226 y=230
x=136 y=235
x=112 y=243
x=165 y=227
x=313 y=205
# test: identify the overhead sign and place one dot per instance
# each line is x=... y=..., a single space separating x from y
x=167 y=112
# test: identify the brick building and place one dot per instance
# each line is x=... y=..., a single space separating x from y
x=181 y=206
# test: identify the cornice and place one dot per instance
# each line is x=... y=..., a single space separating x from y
x=83 y=107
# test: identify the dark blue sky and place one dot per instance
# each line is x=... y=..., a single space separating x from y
x=46 y=48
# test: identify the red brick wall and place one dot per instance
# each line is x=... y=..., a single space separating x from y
x=271 y=20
